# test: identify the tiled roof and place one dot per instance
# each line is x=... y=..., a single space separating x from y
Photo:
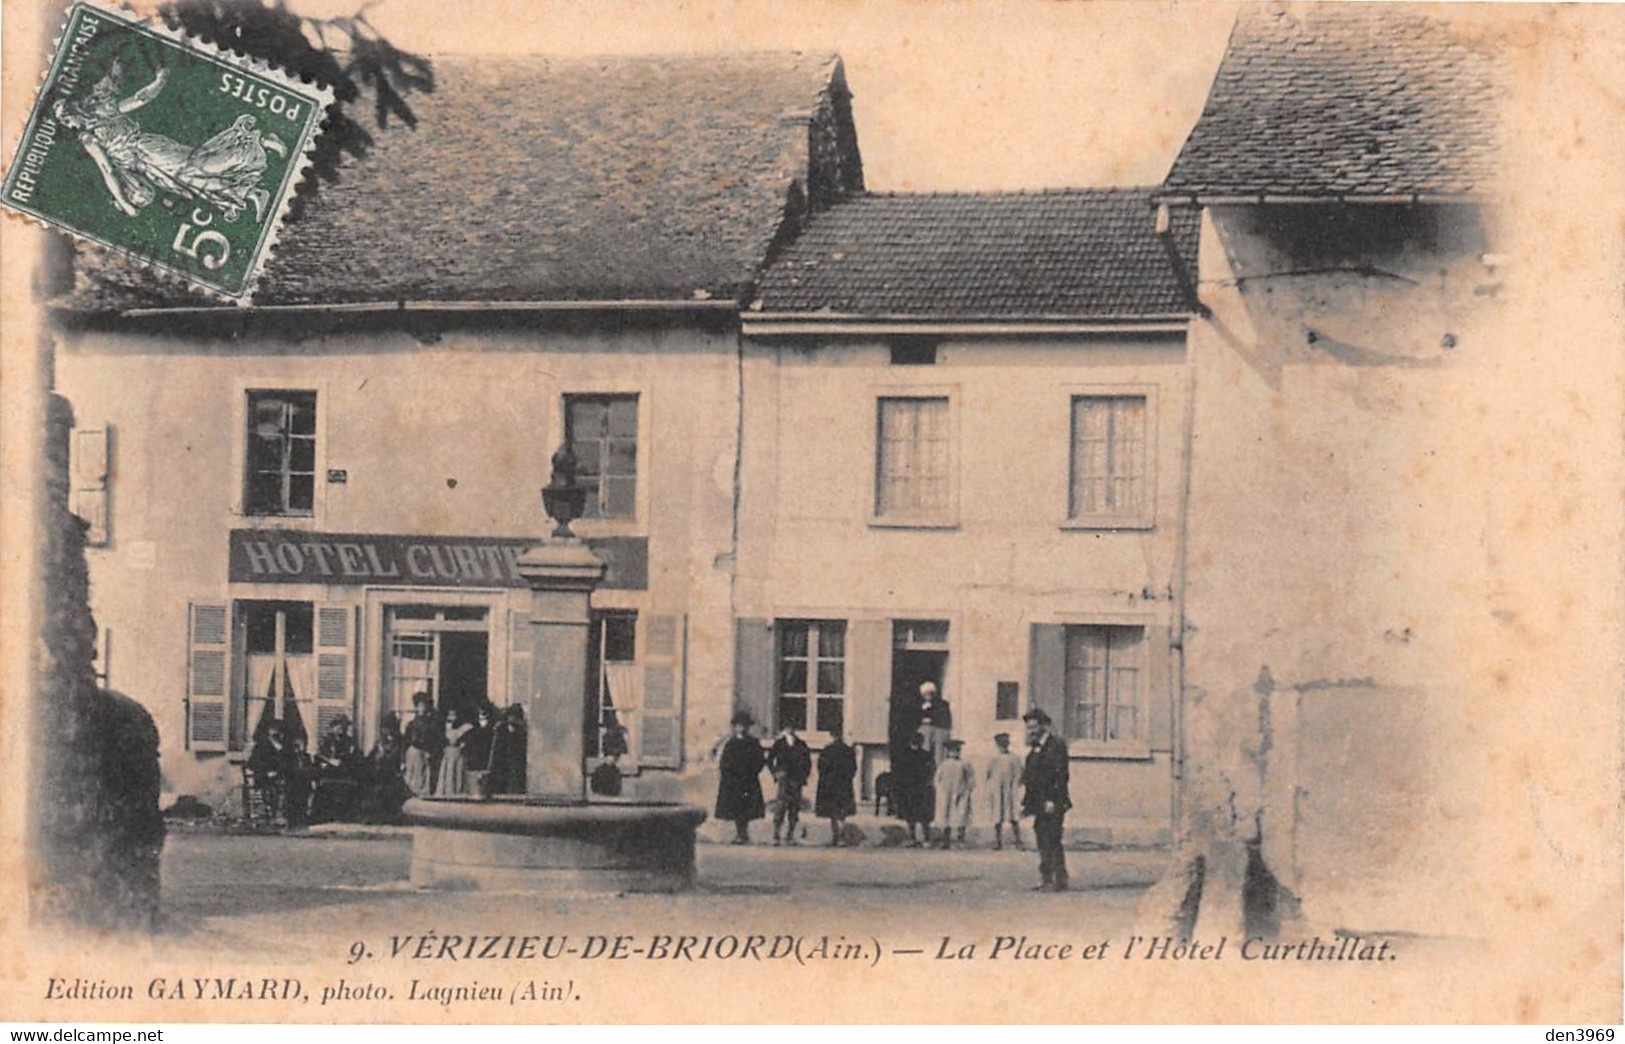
x=1345 y=99
x=1080 y=253
x=647 y=177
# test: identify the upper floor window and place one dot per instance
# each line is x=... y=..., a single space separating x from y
x=602 y=431
x=1109 y=466
x=280 y=476
x=913 y=469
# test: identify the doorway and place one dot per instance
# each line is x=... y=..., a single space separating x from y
x=444 y=651
x=465 y=663
x=919 y=655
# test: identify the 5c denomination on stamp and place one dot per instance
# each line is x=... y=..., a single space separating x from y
x=164 y=148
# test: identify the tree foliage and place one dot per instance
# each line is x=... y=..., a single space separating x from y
x=345 y=53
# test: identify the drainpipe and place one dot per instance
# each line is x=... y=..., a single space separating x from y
x=1182 y=551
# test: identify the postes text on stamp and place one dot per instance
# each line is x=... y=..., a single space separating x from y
x=164 y=148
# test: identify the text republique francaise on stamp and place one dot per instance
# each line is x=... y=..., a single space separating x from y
x=164 y=148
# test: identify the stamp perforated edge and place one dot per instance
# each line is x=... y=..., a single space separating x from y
x=319 y=95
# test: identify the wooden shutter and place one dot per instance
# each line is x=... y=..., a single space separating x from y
x=868 y=673
x=1046 y=679
x=88 y=496
x=208 y=651
x=660 y=725
x=755 y=672
x=335 y=666
x=521 y=654
x=1160 y=687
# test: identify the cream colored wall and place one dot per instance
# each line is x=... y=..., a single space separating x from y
x=808 y=547
x=478 y=408
x=1335 y=558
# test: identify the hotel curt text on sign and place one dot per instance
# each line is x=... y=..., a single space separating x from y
x=272 y=556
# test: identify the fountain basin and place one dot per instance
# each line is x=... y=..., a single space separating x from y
x=532 y=845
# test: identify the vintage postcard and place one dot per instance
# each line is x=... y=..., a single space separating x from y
x=843 y=511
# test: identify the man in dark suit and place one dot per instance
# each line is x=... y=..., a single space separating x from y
x=1046 y=797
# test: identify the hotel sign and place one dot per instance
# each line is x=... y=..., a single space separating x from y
x=282 y=556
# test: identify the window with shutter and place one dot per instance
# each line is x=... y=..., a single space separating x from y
x=753 y=669
x=335 y=665
x=660 y=731
x=208 y=648
x=88 y=496
x=812 y=676
x=1160 y=686
x=869 y=703
x=1046 y=684
x=1105 y=684
x=521 y=653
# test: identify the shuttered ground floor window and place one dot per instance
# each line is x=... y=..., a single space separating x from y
x=614 y=689
x=251 y=661
x=636 y=688
x=812 y=675
x=1105 y=672
x=1106 y=685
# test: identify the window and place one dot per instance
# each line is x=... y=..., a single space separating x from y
x=613 y=682
x=278 y=643
x=913 y=472
x=913 y=351
x=812 y=675
x=602 y=431
x=281 y=458
x=1104 y=672
x=1108 y=481
x=1007 y=701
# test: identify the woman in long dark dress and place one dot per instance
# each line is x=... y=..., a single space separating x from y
x=837 y=767
x=386 y=787
x=739 y=790
x=912 y=799
x=339 y=768
x=476 y=745
x=508 y=752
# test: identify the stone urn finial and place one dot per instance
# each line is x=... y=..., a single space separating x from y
x=563 y=498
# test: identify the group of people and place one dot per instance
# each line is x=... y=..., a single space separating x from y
x=789 y=760
x=457 y=753
x=337 y=783
x=461 y=753
x=929 y=784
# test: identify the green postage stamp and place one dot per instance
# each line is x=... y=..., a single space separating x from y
x=164 y=148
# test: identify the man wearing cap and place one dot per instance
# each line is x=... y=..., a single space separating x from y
x=1046 y=797
x=790 y=763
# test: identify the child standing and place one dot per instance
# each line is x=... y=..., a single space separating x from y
x=955 y=783
x=1003 y=777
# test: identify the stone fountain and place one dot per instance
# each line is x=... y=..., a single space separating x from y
x=553 y=838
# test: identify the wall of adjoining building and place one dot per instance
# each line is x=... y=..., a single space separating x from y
x=1006 y=560
x=1331 y=562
